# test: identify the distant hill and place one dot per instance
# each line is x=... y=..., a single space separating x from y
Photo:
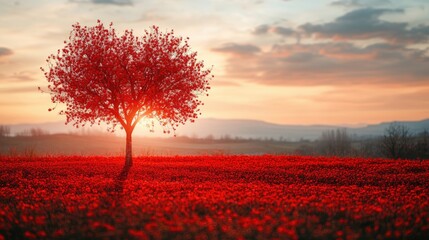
x=261 y=129
x=378 y=129
x=219 y=128
x=253 y=129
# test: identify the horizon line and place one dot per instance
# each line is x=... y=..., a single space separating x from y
x=348 y=125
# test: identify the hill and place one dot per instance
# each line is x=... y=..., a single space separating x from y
x=219 y=128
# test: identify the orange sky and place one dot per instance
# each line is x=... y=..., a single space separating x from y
x=355 y=61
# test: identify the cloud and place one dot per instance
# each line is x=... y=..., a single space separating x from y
x=360 y=3
x=239 y=49
x=364 y=24
x=346 y=3
x=114 y=2
x=5 y=51
x=332 y=64
x=283 y=31
x=338 y=61
x=13 y=90
x=106 y=2
x=22 y=76
x=261 y=29
x=367 y=99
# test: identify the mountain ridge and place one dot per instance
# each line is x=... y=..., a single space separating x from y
x=232 y=128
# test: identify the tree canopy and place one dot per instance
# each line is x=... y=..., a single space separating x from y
x=101 y=76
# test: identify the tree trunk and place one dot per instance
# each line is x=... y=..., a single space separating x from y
x=128 y=150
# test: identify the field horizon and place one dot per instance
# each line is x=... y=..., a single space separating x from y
x=110 y=145
x=221 y=128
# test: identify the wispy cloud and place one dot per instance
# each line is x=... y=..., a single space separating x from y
x=235 y=48
x=360 y=3
x=22 y=76
x=107 y=2
x=284 y=31
x=5 y=51
x=280 y=30
x=261 y=29
x=13 y=90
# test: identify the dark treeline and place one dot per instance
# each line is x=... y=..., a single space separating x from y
x=396 y=143
x=4 y=131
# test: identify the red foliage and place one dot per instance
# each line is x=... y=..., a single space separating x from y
x=212 y=197
x=103 y=77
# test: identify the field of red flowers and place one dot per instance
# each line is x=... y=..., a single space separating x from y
x=213 y=197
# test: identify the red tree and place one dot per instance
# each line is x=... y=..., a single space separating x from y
x=119 y=80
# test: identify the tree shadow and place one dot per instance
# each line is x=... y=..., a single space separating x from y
x=114 y=198
x=120 y=179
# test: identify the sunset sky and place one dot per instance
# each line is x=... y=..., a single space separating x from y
x=281 y=61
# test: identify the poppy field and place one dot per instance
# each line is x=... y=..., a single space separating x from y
x=213 y=197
